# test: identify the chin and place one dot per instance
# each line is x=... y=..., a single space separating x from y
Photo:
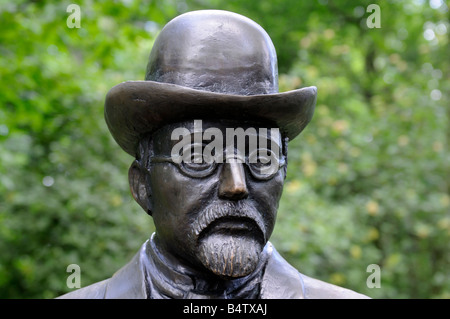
x=230 y=256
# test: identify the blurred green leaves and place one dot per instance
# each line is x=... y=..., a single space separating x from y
x=368 y=179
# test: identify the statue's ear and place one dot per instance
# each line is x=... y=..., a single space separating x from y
x=137 y=177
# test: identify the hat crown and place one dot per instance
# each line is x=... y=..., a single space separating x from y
x=216 y=51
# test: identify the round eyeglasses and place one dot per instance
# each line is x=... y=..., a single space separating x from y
x=263 y=164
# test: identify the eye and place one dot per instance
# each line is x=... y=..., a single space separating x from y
x=263 y=163
x=192 y=153
x=196 y=165
x=261 y=157
x=194 y=162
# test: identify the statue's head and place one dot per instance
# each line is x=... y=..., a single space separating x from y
x=209 y=132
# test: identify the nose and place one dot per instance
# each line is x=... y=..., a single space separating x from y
x=232 y=182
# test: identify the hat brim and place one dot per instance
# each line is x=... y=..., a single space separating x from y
x=137 y=108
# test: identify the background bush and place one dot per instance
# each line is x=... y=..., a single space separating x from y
x=368 y=180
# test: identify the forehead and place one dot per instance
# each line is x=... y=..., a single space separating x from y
x=206 y=130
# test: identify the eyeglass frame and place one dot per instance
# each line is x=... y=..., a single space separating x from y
x=155 y=159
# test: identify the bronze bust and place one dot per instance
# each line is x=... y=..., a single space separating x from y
x=210 y=73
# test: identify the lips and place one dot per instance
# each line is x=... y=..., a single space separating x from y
x=235 y=224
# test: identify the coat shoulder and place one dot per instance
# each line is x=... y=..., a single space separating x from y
x=317 y=289
x=94 y=291
x=127 y=283
x=281 y=280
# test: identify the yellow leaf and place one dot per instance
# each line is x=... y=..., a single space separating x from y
x=293 y=186
x=356 y=251
x=373 y=234
x=372 y=207
x=337 y=278
x=393 y=260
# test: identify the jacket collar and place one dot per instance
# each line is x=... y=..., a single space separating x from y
x=279 y=279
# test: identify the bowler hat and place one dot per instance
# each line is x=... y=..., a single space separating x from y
x=207 y=64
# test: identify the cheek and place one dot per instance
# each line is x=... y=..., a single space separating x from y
x=266 y=197
x=277 y=184
x=177 y=194
x=174 y=196
x=268 y=192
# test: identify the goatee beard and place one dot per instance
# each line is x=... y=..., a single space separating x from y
x=229 y=256
x=231 y=237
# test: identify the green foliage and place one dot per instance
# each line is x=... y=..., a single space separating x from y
x=368 y=179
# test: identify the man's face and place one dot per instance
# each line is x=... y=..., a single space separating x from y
x=217 y=216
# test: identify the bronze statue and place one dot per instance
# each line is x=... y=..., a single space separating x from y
x=210 y=73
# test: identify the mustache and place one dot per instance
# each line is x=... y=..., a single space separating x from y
x=215 y=211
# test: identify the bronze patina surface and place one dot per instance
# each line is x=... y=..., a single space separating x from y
x=213 y=219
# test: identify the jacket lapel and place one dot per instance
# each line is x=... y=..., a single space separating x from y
x=129 y=282
x=281 y=280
